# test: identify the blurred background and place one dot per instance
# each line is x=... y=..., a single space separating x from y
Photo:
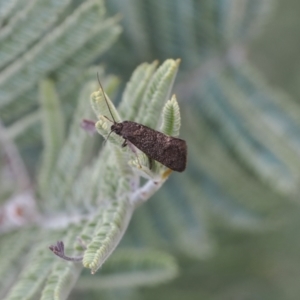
x=231 y=219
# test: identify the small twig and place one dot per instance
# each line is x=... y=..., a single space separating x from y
x=59 y=250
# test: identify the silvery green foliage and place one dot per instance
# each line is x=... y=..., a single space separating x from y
x=68 y=202
x=123 y=168
x=92 y=202
x=243 y=158
x=47 y=38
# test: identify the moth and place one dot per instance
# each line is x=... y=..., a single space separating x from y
x=168 y=150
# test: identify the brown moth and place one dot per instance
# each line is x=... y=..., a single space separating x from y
x=168 y=150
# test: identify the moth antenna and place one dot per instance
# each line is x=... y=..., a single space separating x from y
x=105 y=140
x=105 y=99
x=107 y=137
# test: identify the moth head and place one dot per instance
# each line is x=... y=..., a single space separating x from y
x=117 y=128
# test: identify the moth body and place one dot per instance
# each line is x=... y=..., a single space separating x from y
x=169 y=151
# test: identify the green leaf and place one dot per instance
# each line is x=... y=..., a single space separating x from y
x=115 y=220
x=33 y=275
x=27 y=26
x=129 y=267
x=61 y=43
x=171 y=118
x=76 y=149
x=157 y=92
x=63 y=274
x=53 y=132
x=135 y=90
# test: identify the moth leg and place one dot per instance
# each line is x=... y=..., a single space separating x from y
x=124 y=143
x=150 y=162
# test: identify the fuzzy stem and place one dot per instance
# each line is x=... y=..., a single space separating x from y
x=142 y=194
